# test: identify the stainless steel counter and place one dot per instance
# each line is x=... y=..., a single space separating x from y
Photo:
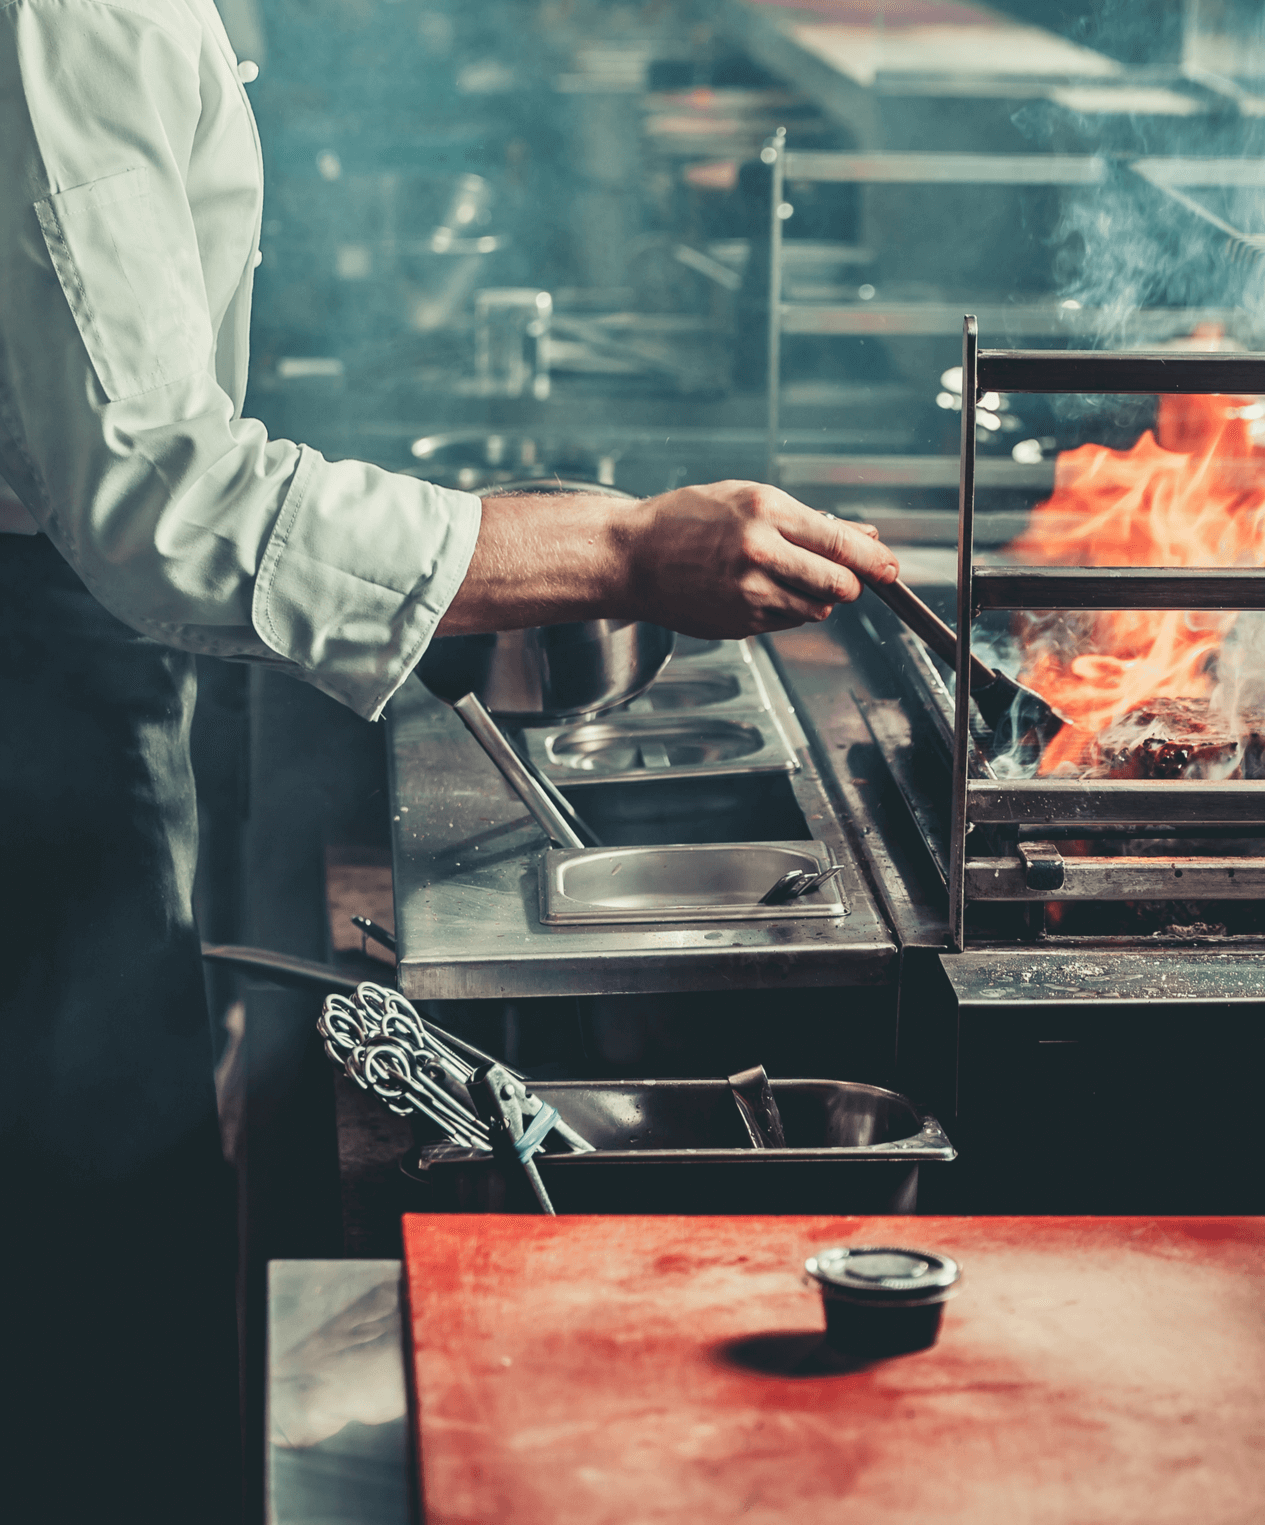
x=466 y=901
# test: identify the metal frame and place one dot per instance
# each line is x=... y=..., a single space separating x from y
x=1003 y=370
x=774 y=153
x=1039 y=872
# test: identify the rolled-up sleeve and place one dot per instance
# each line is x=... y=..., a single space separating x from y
x=184 y=519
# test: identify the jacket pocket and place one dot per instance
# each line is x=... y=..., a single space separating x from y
x=122 y=278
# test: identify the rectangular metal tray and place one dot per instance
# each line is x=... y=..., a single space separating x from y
x=721 y=881
x=678 y=1146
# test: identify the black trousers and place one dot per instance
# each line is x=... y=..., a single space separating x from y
x=119 y=1246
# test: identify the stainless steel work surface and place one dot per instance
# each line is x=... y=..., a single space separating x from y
x=466 y=859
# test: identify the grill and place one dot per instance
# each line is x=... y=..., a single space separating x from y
x=1035 y=871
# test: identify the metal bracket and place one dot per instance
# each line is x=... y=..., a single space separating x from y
x=1043 y=867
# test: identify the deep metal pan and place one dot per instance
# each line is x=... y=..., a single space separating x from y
x=678 y=1146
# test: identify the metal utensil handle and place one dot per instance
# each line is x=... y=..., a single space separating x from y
x=488 y=734
x=927 y=625
x=784 y=889
x=547 y=785
x=813 y=882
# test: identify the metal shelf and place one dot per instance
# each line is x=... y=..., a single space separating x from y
x=906 y=471
x=896 y=168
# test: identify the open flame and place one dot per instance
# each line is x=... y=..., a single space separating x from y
x=1190 y=494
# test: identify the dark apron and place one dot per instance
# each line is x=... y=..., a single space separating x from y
x=119 y=1254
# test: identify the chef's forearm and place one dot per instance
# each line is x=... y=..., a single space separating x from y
x=544 y=559
x=724 y=560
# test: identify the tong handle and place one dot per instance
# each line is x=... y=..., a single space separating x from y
x=927 y=625
x=500 y=1098
x=797 y=883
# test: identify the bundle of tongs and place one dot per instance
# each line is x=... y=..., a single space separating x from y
x=415 y=1067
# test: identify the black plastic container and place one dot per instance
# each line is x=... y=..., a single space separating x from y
x=881 y=1300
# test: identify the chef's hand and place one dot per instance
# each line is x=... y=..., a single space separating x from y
x=727 y=560
x=739 y=558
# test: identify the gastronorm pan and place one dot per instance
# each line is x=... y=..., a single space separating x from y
x=678 y=1146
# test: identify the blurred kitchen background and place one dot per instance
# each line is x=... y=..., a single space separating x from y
x=523 y=237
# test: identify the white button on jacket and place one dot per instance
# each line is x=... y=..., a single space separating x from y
x=130 y=200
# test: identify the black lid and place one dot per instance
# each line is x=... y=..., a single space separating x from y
x=884 y=1275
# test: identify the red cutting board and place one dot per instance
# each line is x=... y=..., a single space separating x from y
x=631 y=1371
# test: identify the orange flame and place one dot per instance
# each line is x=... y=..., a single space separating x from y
x=1191 y=494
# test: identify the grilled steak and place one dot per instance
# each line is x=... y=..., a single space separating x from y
x=1180 y=738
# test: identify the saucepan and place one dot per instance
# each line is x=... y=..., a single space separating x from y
x=550 y=673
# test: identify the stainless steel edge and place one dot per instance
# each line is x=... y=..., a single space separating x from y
x=1149 y=801
x=820 y=677
x=1121 y=878
x=1056 y=977
x=958 y=822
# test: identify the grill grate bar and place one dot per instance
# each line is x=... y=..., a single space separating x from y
x=1127 y=801
x=1119 y=588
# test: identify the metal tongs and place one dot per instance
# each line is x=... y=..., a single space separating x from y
x=797 y=883
x=1012 y=712
x=518 y=1124
x=413 y=1066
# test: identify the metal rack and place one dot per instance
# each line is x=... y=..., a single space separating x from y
x=1039 y=872
x=1035 y=318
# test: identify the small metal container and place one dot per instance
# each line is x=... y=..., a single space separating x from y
x=717 y=881
x=881 y=1300
x=708 y=714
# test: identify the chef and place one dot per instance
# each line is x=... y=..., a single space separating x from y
x=142 y=520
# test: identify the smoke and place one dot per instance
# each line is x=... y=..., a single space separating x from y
x=1239 y=696
x=1150 y=235
x=1125 y=246
x=1166 y=245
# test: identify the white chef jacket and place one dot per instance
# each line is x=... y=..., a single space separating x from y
x=131 y=192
